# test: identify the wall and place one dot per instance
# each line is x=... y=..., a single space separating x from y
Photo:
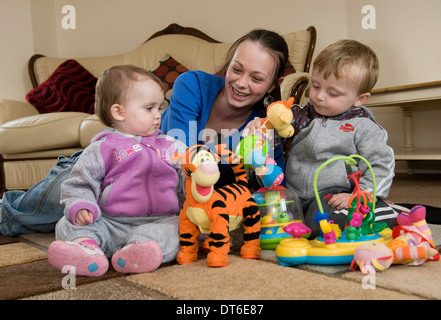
x=403 y=36
x=44 y=27
x=409 y=51
x=16 y=42
x=114 y=26
x=405 y=39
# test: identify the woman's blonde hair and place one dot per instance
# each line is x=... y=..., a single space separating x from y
x=344 y=53
x=114 y=84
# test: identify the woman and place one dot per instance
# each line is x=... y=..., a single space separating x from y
x=202 y=105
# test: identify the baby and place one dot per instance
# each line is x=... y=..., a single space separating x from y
x=121 y=198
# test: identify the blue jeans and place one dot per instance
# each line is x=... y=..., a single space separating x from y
x=39 y=208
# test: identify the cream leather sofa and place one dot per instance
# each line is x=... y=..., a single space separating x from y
x=30 y=143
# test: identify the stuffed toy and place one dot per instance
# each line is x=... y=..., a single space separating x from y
x=279 y=117
x=216 y=211
x=412 y=244
x=254 y=148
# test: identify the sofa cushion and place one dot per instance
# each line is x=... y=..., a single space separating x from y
x=167 y=71
x=70 y=88
x=47 y=131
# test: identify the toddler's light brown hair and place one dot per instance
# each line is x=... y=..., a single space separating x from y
x=344 y=53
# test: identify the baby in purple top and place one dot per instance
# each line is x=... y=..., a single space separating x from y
x=122 y=197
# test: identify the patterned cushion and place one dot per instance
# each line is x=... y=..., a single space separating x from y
x=168 y=70
x=69 y=88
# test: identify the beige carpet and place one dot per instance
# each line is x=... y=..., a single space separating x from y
x=26 y=274
x=420 y=189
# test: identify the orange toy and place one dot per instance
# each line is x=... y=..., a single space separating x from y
x=279 y=117
x=216 y=211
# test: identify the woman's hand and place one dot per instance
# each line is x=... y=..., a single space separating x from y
x=83 y=217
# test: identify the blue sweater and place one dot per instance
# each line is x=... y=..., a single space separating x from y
x=193 y=96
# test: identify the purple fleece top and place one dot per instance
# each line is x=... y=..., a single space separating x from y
x=125 y=176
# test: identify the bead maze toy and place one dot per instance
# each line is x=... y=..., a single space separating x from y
x=334 y=246
x=279 y=208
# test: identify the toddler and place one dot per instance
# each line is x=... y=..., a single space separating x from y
x=335 y=123
x=121 y=198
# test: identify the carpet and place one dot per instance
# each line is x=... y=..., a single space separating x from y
x=26 y=274
x=30 y=276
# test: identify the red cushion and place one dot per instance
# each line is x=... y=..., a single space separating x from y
x=289 y=68
x=70 y=88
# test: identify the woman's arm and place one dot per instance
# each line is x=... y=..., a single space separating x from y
x=190 y=105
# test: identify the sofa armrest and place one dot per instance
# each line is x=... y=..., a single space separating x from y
x=40 y=132
x=15 y=109
x=89 y=127
x=296 y=85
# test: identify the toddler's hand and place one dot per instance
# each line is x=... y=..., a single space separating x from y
x=339 y=200
x=83 y=217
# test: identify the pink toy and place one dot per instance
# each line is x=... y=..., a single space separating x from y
x=412 y=244
x=329 y=237
x=372 y=256
x=417 y=218
x=297 y=230
x=356 y=220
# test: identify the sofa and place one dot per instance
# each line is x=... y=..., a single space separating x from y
x=33 y=136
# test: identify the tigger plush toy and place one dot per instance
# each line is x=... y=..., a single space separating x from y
x=216 y=211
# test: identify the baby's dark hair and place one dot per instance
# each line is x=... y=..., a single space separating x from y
x=114 y=84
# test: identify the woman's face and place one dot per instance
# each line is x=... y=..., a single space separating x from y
x=250 y=75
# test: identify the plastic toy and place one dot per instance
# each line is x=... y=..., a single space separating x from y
x=279 y=208
x=216 y=211
x=411 y=244
x=254 y=149
x=334 y=246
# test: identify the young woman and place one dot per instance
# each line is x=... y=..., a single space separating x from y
x=203 y=105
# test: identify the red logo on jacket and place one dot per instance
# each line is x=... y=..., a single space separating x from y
x=127 y=152
x=347 y=127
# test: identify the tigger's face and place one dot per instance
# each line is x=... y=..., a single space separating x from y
x=202 y=171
